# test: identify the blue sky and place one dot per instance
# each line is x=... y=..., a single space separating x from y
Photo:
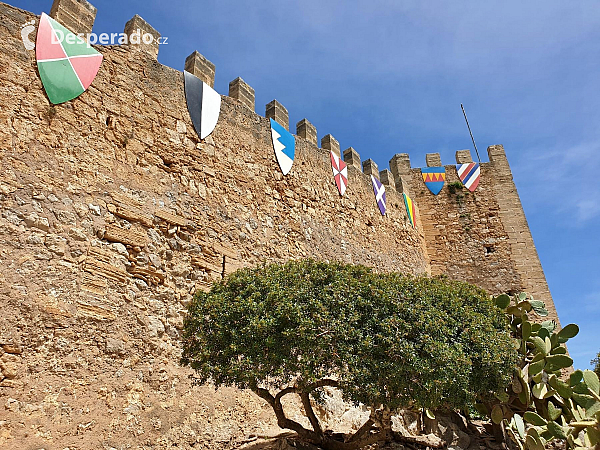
x=388 y=76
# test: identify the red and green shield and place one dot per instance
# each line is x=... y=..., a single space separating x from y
x=66 y=63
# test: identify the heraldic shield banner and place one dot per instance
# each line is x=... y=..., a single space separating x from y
x=66 y=63
x=284 y=145
x=203 y=103
x=469 y=175
x=410 y=209
x=340 y=172
x=379 y=190
x=434 y=178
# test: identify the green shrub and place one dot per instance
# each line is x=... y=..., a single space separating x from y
x=385 y=340
x=455 y=186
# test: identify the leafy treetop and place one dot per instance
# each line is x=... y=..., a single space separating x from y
x=386 y=340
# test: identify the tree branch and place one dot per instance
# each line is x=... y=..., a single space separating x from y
x=282 y=420
x=321 y=383
x=382 y=436
x=360 y=439
x=310 y=413
x=287 y=390
x=423 y=441
x=364 y=429
x=264 y=394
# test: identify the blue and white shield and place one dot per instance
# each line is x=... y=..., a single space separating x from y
x=284 y=145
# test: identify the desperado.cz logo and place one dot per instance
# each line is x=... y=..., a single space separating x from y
x=137 y=37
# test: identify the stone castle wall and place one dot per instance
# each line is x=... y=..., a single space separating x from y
x=481 y=237
x=113 y=213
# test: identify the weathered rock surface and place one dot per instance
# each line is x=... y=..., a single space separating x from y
x=112 y=214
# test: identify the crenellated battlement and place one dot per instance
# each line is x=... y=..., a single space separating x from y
x=79 y=16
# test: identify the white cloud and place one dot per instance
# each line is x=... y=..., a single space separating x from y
x=588 y=209
x=565 y=181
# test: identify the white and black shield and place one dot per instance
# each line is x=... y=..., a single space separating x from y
x=203 y=103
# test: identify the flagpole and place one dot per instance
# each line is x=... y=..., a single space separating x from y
x=467 y=120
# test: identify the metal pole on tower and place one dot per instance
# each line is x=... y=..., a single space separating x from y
x=467 y=120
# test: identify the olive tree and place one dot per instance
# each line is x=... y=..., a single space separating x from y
x=387 y=341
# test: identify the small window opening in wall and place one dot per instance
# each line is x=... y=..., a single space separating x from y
x=489 y=249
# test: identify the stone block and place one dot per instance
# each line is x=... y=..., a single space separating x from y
x=352 y=158
x=198 y=65
x=96 y=309
x=496 y=153
x=370 y=168
x=240 y=90
x=131 y=237
x=433 y=160
x=224 y=250
x=400 y=164
x=401 y=185
x=208 y=265
x=387 y=178
x=130 y=214
x=307 y=130
x=105 y=270
x=94 y=284
x=150 y=276
x=498 y=158
x=77 y=15
x=463 y=156
x=278 y=113
x=328 y=142
x=142 y=36
x=173 y=219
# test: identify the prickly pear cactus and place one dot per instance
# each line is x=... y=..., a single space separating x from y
x=542 y=404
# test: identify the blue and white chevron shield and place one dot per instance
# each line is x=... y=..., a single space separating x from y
x=284 y=145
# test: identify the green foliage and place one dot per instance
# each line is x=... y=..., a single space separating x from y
x=386 y=339
x=596 y=363
x=549 y=407
x=455 y=186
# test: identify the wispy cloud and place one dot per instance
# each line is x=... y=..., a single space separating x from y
x=588 y=209
x=567 y=179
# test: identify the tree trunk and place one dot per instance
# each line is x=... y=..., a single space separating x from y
x=430 y=425
x=498 y=431
x=362 y=437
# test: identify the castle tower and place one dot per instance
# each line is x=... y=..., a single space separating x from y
x=481 y=237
